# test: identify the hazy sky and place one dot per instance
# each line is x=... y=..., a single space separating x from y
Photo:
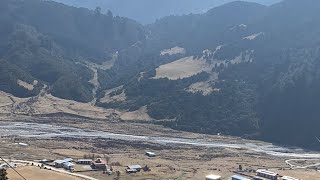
x=147 y=11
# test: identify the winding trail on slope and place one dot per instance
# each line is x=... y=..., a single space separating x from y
x=37 y=130
x=94 y=81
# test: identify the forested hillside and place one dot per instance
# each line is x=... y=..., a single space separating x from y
x=261 y=81
x=240 y=69
x=42 y=41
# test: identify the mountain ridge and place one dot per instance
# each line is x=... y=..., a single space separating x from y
x=147 y=11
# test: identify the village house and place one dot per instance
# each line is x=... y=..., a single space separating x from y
x=99 y=164
x=58 y=163
x=134 y=167
x=238 y=177
x=213 y=177
x=84 y=161
x=150 y=154
x=68 y=166
x=61 y=163
x=131 y=171
x=267 y=174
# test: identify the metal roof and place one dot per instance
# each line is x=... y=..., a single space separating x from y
x=263 y=171
x=68 y=164
x=131 y=170
x=289 y=178
x=135 y=167
x=240 y=177
x=213 y=177
x=68 y=159
x=258 y=177
x=84 y=160
x=150 y=153
x=59 y=161
x=23 y=144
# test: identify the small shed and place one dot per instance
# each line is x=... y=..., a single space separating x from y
x=289 y=178
x=129 y=171
x=238 y=177
x=150 y=154
x=84 y=161
x=135 y=167
x=22 y=144
x=213 y=177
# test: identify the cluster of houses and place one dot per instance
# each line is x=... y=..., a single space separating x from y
x=261 y=174
x=65 y=163
x=97 y=164
x=68 y=163
x=137 y=168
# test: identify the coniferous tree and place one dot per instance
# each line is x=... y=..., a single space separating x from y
x=3 y=174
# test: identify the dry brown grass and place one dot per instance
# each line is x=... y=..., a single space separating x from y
x=48 y=104
x=140 y=115
x=35 y=173
x=182 y=68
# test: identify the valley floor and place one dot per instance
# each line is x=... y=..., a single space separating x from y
x=35 y=173
x=125 y=143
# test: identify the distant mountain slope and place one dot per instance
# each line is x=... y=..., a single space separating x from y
x=44 y=41
x=147 y=11
x=246 y=69
x=81 y=31
x=198 y=32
